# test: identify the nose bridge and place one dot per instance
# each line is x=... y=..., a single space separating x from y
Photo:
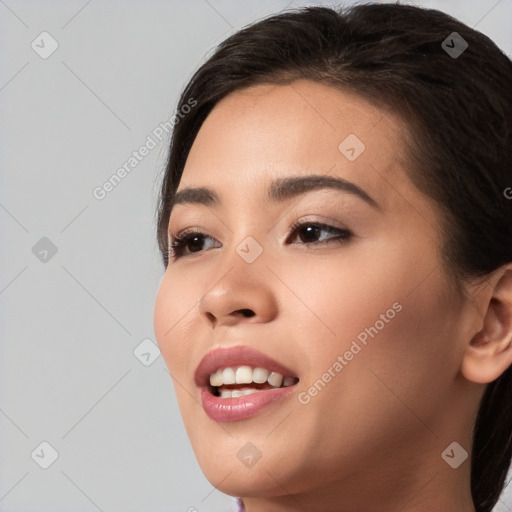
x=241 y=287
x=245 y=253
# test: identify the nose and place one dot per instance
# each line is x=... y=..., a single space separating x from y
x=241 y=292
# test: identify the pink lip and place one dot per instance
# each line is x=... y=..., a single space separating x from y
x=244 y=407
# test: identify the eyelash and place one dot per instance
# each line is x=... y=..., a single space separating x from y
x=177 y=246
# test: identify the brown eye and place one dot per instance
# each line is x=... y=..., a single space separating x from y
x=187 y=243
x=311 y=233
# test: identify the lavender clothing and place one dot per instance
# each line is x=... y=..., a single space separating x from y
x=240 y=505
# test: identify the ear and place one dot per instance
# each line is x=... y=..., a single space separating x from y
x=489 y=352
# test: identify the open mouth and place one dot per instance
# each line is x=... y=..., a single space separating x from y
x=235 y=382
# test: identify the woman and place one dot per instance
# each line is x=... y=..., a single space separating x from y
x=336 y=308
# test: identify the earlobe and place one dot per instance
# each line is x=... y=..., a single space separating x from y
x=489 y=352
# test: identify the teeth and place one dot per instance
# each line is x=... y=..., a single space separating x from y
x=243 y=375
x=228 y=376
x=216 y=379
x=247 y=375
x=260 y=375
x=225 y=393
x=275 y=379
x=288 y=381
x=237 y=393
x=243 y=392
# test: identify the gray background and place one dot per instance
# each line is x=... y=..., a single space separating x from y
x=71 y=322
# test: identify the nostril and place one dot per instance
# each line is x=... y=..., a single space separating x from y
x=247 y=312
x=211 y=317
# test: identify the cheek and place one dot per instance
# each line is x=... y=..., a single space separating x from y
x=174 y=314
x=174 y=307
x=391 y=323
x=335 y=301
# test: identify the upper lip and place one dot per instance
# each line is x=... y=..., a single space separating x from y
x=239 y=355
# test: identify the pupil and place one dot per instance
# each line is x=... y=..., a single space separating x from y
x=197 y=245
x=311 y=233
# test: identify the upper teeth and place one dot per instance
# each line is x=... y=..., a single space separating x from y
x=246 y=375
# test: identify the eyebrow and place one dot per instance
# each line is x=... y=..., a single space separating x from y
x=279 y=190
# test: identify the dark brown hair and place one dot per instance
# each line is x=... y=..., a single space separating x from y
x=458 y=110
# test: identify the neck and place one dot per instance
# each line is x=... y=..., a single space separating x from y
x=401 y=482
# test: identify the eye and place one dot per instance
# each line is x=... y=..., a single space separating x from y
x=192 y=241
x=311 y=233
x=188 y=241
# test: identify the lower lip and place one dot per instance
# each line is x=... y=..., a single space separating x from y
x=243 y=407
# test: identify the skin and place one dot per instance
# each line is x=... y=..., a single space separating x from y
x=372 y=438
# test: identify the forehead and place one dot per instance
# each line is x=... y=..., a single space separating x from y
x=257 y=134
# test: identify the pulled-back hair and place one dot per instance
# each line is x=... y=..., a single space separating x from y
x=458 y=111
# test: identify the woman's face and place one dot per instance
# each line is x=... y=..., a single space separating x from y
x=359 y=312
